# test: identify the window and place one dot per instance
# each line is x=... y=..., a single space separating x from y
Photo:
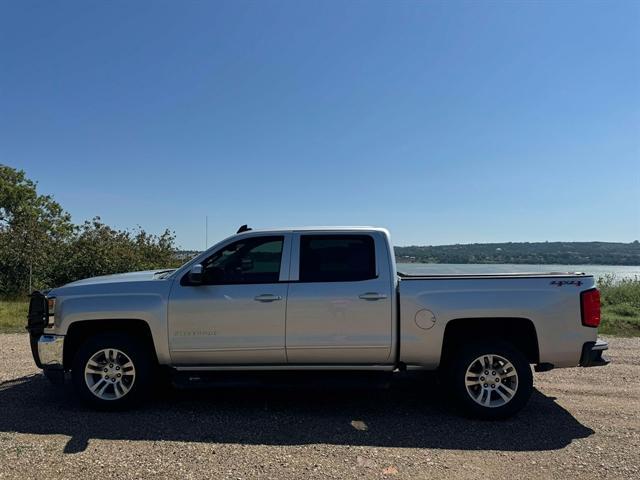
x=337 y=258
x=251 y=260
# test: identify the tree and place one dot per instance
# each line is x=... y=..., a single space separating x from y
x=32 y=229
x=40 y=246
x=98 y=249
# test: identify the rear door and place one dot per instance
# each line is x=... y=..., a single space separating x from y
x=339 y=306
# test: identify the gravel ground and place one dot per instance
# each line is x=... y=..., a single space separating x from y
x=579 y=422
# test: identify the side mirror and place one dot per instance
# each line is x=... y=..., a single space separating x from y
x=195 y=274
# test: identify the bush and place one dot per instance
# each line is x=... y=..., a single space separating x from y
x=616 y=291
x=98 y=249
x=620 y=306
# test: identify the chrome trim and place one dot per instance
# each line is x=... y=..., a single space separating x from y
x=600 y=345
x=372 y=296
x=50 y=350
x=267 y=297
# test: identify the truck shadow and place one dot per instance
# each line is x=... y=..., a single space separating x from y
x=408 y=414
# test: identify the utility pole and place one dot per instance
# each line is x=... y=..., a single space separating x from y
x=30 y=241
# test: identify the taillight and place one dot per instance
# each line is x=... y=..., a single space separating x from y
x=590 y=308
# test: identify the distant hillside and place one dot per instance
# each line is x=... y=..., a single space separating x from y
x=567 y=253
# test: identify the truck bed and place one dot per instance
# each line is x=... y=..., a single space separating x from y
x=549 y=301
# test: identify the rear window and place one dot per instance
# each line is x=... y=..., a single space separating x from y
x=337 y=258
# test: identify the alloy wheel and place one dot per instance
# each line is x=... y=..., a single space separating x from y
x=109 y=374
x=491 y=380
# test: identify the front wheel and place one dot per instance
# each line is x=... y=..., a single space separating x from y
x=111 y=371
x=490 y=380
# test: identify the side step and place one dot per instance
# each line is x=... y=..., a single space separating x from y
x=281 y=380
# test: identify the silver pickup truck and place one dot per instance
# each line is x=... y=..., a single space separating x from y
x=315 y=299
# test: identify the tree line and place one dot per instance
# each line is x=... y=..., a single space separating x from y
x=563 y=253
x=41 y=247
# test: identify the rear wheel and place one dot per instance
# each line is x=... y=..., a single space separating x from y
x=112 y=371
x=490 y=379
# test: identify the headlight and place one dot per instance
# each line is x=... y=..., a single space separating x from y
x=51 y=310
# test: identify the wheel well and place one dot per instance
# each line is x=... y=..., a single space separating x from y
x=520 y=332
x=80 y=331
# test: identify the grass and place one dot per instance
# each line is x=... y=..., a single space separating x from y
x=620 y=309
x=620 y=306
x=13 y=316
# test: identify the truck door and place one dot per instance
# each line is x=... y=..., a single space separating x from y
x=339 y=306
x=237 y=314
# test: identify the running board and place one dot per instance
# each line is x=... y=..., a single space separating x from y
x=280 y=379
x=271 y=368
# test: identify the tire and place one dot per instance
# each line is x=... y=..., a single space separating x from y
x=128 y=376
x=503 y=383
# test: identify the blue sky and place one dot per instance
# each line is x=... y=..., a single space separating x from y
x=447 y=122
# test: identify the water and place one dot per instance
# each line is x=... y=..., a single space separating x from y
x=619 y=271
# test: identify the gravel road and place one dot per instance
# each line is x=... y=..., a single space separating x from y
x=579 y=423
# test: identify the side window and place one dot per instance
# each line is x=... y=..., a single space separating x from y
x=251 y=260
x=337 y=258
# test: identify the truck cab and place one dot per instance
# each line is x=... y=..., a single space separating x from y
x=299 y=297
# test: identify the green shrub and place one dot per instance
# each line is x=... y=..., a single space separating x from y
x=620 y=306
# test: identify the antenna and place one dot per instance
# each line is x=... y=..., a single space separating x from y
x=206 y=231
x=243 y=228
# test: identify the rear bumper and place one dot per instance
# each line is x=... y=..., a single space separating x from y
x=592 y=354
x=47 y=351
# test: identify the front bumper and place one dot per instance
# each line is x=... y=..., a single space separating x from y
x=592 y=354
x=48 y=351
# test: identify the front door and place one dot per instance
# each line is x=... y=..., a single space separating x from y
x=339 y=311
x=237 y=314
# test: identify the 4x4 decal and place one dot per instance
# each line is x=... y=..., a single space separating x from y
x=560 y=283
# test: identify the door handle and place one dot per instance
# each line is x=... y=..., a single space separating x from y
x=267 y=297
x=372 y=296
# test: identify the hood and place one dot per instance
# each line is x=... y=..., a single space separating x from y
x=118 y=278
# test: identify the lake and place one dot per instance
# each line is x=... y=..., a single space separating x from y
x=620 y=271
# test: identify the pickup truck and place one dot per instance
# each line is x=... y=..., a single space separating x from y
x=315 y=299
